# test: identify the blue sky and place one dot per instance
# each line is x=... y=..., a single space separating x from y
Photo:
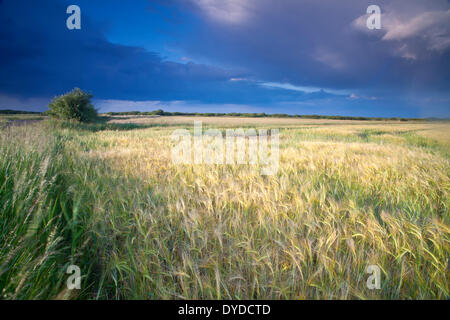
x=273 y=56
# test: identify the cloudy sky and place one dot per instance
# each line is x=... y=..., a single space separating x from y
x=274 y=56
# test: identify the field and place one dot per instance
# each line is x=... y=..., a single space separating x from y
x=108 y=198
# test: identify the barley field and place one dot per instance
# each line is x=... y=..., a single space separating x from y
x=108 y=198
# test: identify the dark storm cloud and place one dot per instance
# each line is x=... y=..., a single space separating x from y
x=41 y=57
x=294 y=45
x=326 y=44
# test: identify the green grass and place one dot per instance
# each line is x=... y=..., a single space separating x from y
x=42 y=230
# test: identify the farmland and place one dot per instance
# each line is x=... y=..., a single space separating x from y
x=108 y=198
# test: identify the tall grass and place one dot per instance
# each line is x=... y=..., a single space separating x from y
x=42 y=230
x=139 y=226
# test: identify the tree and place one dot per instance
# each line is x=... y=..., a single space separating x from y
x=75 y=105
x=158 y=112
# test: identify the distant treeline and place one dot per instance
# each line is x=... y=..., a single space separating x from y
x=161 y=112
x=252 y=115
x=19 y=112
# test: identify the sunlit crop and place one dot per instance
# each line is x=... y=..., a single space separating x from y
x=347 y=195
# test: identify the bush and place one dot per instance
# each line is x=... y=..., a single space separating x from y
x=75 y=105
